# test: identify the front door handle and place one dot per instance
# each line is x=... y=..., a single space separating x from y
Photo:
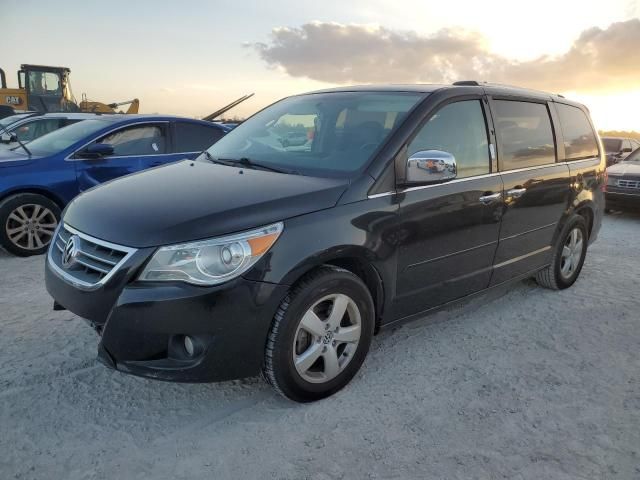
x=490 y=198
x=516 y=192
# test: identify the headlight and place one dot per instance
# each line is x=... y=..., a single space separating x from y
x=210 y=262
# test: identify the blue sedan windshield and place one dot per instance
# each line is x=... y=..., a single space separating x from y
x=57 y=141
x=318 y=134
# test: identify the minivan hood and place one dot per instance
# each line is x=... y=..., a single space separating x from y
x=624 y=168
x=190 y=200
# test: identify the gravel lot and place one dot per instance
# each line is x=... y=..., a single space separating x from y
x=524 y=384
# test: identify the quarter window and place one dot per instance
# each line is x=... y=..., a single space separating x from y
x=525 y=135
x=579 y=139
x=139 y=140
x=193 y=137
x=459 y=129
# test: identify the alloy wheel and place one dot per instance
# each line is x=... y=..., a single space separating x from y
x=31 y=226
x=327 y=338
x=571 y=253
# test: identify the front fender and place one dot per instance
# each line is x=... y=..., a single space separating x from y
x=363 y=231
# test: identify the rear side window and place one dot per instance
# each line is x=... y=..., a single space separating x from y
x=525 y=135
x=459 y=129
x=138 y=140
x=579 y=138
x=193 y=137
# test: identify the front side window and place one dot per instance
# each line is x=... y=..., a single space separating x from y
x=137 y=140
x=459 y=129
x=525 y=136
x=318 y=134
x=37 y=128
x=194 y=137
x=579 y=139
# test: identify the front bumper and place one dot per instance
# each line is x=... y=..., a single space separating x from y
x=142 y=325
x=618 y=197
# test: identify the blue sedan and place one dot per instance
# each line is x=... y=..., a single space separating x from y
x=39 y=179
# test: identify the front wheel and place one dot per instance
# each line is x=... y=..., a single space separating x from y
x=568 y=256
x=28 y=222
x=320 y=335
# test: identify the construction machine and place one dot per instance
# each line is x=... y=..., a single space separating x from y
x=43 y=88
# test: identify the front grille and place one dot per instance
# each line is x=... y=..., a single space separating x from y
x=635 y=184
x=94 y=261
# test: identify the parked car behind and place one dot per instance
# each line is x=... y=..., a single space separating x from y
x=37 y=183
x=617 y=148
x=287 y=260
x=28 y=127
x=623 y=185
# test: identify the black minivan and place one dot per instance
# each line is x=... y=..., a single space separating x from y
x=265 y=255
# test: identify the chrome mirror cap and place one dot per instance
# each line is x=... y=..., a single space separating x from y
x=431 y=166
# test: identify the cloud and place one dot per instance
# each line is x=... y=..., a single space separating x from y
x=599 y=59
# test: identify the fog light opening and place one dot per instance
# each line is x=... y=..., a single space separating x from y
x=189 y=346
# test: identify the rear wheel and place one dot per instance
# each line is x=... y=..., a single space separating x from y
x=28 y=222
x=568 y=257
x=320 y=335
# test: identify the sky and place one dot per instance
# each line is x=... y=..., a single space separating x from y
x=190 y=58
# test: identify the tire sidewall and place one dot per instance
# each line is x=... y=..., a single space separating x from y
x=288 y=377
x=9 y=205
x=579 y=222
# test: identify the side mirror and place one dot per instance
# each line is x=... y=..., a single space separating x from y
x=428 y=166
x=626 y=150
x=96 y=150
x=8 y=138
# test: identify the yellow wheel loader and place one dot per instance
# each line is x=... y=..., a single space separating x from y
x=43 y=88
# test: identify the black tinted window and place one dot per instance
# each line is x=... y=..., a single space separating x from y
x=579 y=139
x=524 y=133
x=192 y=137
x=459 y=129
x=138 y=140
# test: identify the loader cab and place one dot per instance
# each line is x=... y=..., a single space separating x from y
x=47 y=88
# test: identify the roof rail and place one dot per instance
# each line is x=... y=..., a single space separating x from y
x=467 y=83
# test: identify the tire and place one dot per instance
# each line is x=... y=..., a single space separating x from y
x=558 y=275
x=27 y=223
x=308 y=365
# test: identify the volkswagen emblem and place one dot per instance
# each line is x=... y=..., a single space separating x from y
x=70 y=251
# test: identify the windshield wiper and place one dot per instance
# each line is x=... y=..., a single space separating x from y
x=248 y=163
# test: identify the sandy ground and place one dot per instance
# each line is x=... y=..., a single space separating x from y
x=526 y=384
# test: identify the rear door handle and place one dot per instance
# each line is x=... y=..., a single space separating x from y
x=490 y=198
x=516 y=192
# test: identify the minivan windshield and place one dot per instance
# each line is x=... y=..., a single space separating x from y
x=317 y=134
x=57 y=141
